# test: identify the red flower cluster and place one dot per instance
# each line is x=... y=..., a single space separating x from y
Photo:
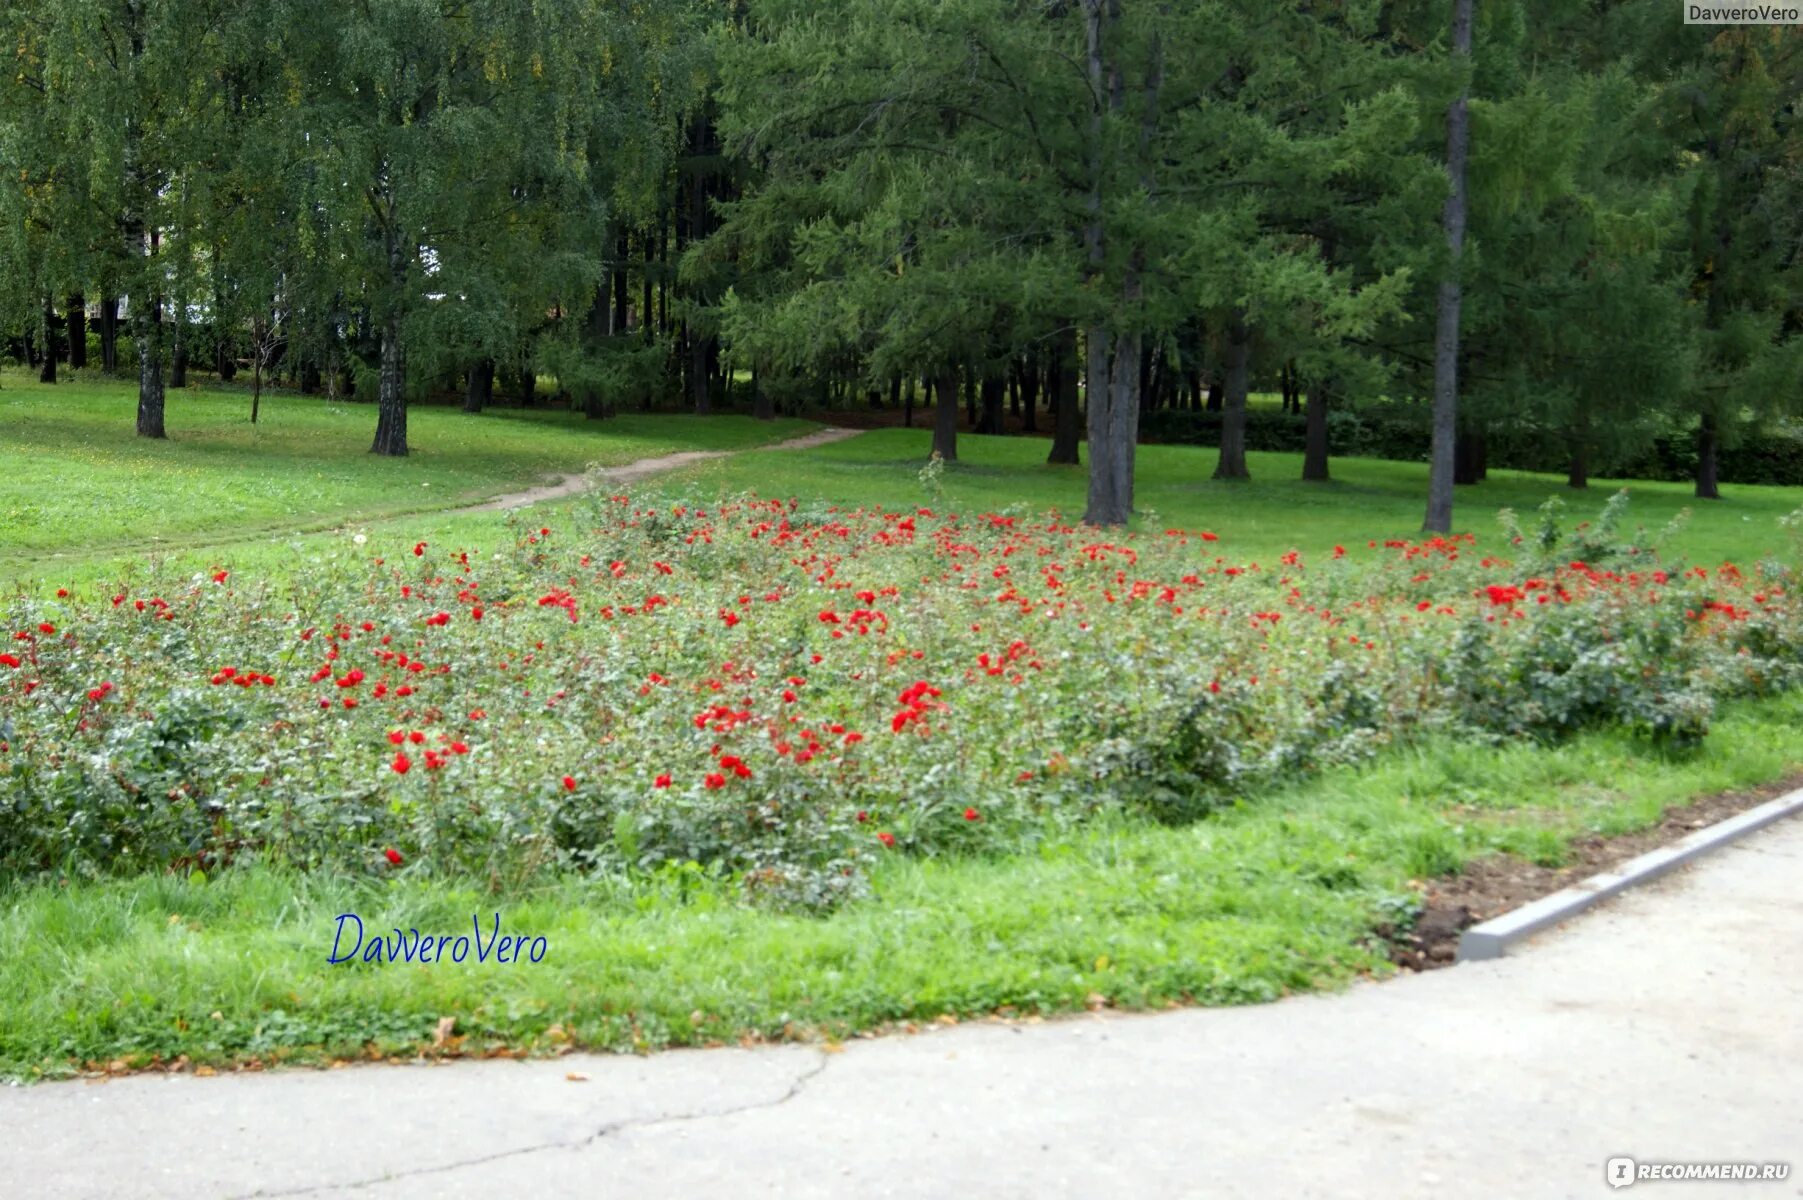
x=241 y=678
x=915 y=702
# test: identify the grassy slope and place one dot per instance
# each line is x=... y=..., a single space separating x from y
x=1368 y=498
x=1277 y=895
x=74 y=478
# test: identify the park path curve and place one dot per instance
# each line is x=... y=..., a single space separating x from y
x=1663 y=1026
x=637 y=469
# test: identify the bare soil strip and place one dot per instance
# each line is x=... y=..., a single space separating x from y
x=1500 y=883
x=632 y=472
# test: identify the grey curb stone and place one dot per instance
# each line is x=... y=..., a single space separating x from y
x=1494 y=937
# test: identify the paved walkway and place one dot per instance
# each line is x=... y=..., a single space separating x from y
x=1665 y=1026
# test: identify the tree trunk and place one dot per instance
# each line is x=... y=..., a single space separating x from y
x=945 y=414
x=663 y=284
x=1466 y=441
x=908 y=405
x=761 y=407
x=109 y=334
x=148 y=330
x=1029 y=392
x=594 y=405
x=1114 y=380
x=391 y=393
x=1579 y=474
x=1708 y=451
x=227 y=359
x=1232 y=462
x=698 y=397
x=993 y=394
x=1097 y=364
x=1451 y=297
x=645 y=325
x=51 y=350
x=77 y=324
x=178 y=358
x=619 y=279
x=1314 y=454
x=1067 y=429
x=1217 y=392
x=479 y=389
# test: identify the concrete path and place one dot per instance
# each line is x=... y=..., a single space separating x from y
x=639 y=468
x=1665 y=1026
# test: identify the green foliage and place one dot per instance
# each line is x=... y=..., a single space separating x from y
x=785 y=694
x=1273 y=896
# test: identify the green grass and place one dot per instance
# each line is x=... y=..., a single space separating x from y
x=75 y=481
x=1275 y=896
x=84 y=500
x=1369 y=499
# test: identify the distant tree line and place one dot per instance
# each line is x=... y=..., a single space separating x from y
x=1576 y=221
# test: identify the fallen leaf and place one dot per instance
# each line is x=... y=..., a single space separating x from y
x=576 y=1077
x=445 y=1025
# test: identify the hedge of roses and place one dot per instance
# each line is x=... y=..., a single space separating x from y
x=783 y=692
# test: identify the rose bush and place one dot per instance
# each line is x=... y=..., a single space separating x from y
x=780 y=692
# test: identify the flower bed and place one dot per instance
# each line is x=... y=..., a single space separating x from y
x=780 y=693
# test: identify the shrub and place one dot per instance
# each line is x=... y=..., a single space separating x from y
x=780 y=694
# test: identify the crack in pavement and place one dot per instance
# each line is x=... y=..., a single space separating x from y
x=794 y=1089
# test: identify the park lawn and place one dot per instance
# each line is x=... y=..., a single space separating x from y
x=82 y=500
x=76 y=481
x=1368 y=499
x=1277 y=895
